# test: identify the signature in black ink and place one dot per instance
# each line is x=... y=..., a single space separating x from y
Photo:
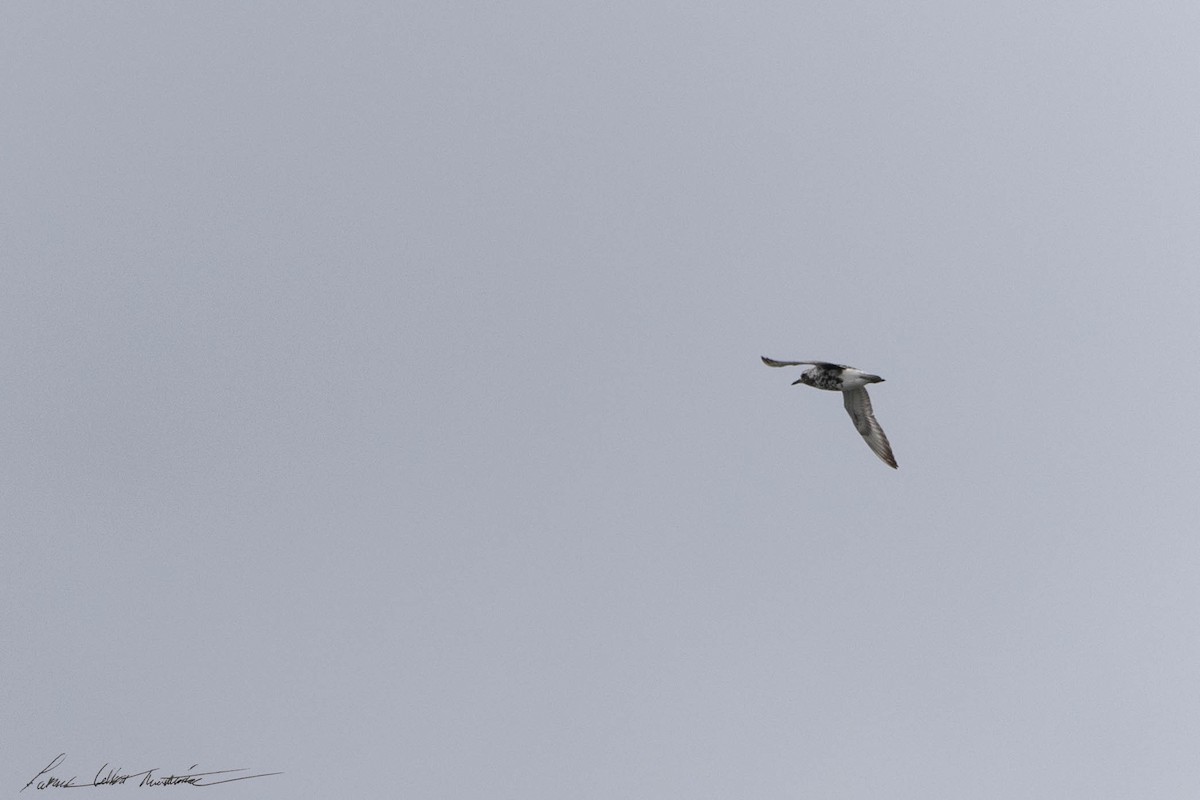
x=147 y=777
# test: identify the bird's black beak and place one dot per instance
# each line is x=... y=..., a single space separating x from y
x=799 y=381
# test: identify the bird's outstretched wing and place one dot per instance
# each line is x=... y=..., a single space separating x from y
x=858 y=406
x=770 y=362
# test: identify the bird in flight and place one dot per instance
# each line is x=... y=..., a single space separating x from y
x=852 y=383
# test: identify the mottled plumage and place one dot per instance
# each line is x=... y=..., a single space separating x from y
x=852 y=384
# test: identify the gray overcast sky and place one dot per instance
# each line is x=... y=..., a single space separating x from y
x=382 y=401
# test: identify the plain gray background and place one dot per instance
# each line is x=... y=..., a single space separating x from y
x=382 y=405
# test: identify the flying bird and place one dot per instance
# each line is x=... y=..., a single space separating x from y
x=852 y=383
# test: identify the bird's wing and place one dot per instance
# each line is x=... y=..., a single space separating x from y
x=770 y=362
x=858 y=406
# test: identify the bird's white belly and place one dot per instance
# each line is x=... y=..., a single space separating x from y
x=853 y=379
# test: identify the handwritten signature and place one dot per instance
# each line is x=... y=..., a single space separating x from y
x=147 y=777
